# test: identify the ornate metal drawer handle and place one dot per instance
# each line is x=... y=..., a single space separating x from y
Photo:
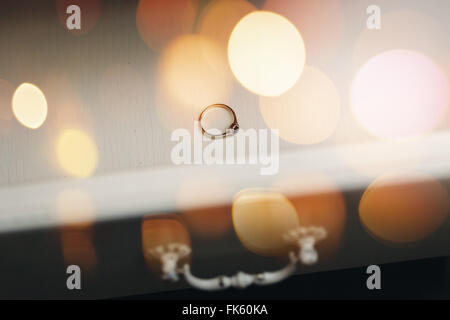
x=304 y=238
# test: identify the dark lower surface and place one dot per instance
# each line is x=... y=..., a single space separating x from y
x=420 y=279
x=33 y=265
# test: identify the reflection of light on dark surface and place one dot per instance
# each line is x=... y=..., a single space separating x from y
x=318 y=202
x=260 y=220
x=161 y=231
x=78 y=249
x=402 y=208
x=213 y=222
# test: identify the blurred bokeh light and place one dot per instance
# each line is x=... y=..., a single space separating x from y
x=266 y=53
x=75 y=208
x=399 y=93
x=78 y=249
x=90 y=14
x=261 y=219
x=29 y=105
x=77 y=153
x=320 y=22
x=216 y=23
x=192 y=75
x=306 y=114
x=161 y=21
x=402 y=208
x=75 y=213
x=219 y=18
x=209 y=223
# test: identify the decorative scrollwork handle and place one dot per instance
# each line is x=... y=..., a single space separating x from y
x=304 y=238
x=241 y=280
x=169 y=255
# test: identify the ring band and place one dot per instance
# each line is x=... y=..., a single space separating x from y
x=231 y=130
